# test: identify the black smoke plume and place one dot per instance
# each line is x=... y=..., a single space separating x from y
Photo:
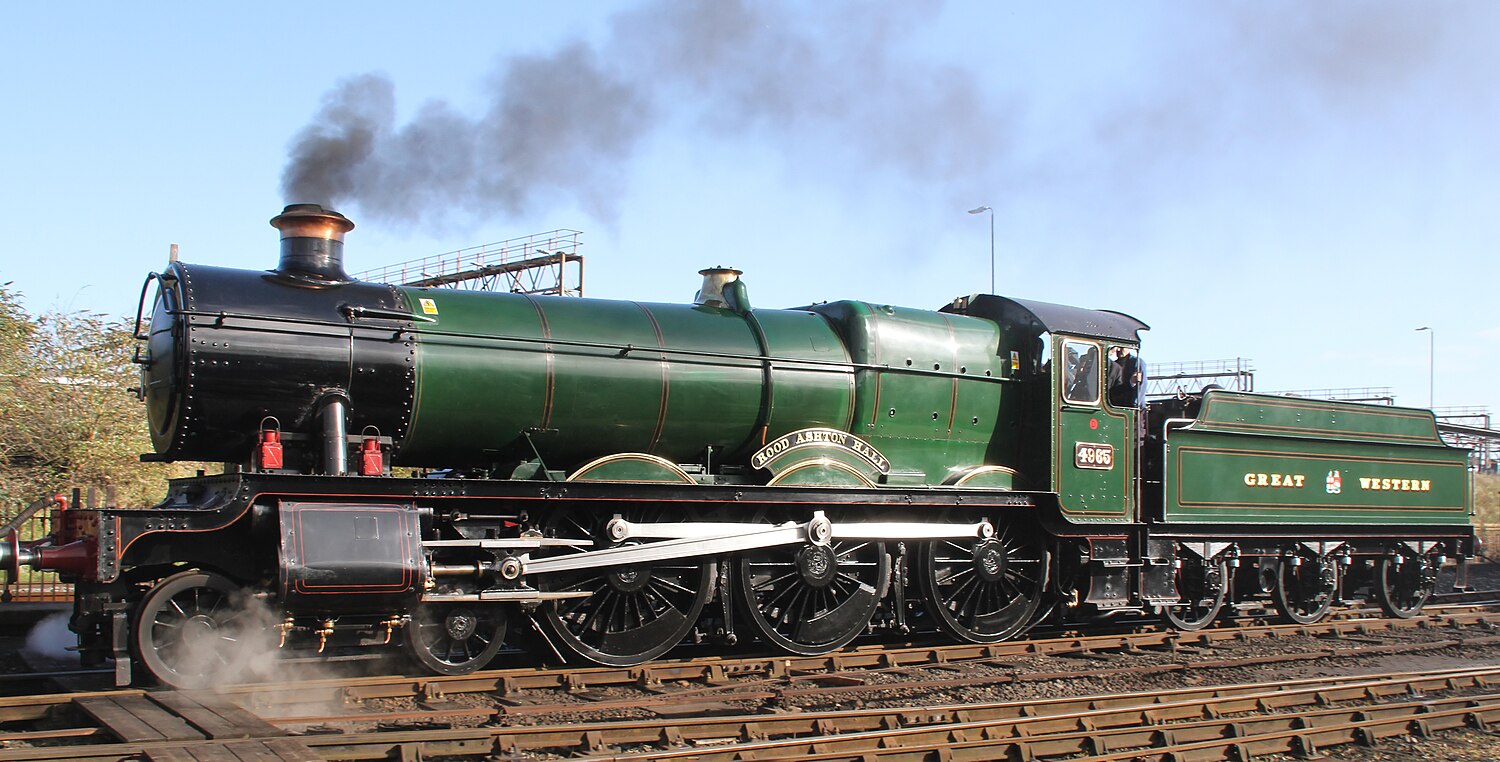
x=833 y=89
x=563 y=127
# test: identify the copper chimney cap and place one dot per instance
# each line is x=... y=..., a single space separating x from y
x=311 y=221
x=312 y=245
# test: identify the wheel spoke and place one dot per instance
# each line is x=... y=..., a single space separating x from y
x=431 y=641
x=634 y=613
x=772 y=583
x=841 y=554
x=810 y=599
x=985 y=590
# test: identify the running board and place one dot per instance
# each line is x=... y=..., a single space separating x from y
x=525 y=595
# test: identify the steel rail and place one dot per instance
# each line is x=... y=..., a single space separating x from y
x=775 y=692
x=1062 y=725
x=1232 y=739
x=714 y=671
x=1097 y=729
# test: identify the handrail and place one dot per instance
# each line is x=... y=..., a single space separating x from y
x=27 y=513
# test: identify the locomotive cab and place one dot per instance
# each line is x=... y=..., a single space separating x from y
x=1078 y=426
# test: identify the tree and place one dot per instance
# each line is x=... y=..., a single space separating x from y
x=69 y=417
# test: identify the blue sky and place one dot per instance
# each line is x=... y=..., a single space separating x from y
x=1301 y=184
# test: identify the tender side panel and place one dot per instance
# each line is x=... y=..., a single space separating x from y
x=1223 y=474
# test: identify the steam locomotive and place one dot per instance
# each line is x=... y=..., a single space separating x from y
x=605 y=480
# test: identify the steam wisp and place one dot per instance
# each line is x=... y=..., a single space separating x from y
x=838 y=91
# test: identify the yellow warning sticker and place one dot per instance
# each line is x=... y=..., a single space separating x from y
x=429 y=307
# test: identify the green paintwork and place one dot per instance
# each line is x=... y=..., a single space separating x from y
x=1097 y=494
x=522 y=380
x=929 y=394
x=510 y=376
x=631 y=467
x=820 y=472
x=986 y=477
x=825 y=385
x=1345 y=462
x=1322 y=419
x=589 y=377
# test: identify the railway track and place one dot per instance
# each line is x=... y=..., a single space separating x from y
x=716 y=674
x=1223 y=722
x=488 y=712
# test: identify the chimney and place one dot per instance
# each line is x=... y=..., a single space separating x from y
x=312 y=244
x=714 y=281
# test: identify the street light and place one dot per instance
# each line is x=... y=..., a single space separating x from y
x=1431 y=344
x=981 y=210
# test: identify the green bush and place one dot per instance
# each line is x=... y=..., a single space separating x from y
x=70 y=419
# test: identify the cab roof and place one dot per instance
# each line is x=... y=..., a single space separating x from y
x=1045 y=316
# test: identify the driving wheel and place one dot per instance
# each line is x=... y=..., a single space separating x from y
x=812 y=598
x=631 y=614
x=985 y=590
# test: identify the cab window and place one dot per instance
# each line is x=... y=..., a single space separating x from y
x=1126 y=374
x=1081 y=372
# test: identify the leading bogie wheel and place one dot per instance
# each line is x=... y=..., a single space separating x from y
x=455 y=638
x=985 y=590
x=632 y=614
x=196 y=630
x=812 y=598
x=1404 y=580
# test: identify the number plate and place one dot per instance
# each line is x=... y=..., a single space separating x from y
x=1091 y=455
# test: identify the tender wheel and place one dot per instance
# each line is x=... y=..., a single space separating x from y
x=811 y=599
x=1403 y=582
x=456 y=638
x=1305 y=591
x=1202 y=586
x=984 y=591
x=194 y=630
x=634 y=613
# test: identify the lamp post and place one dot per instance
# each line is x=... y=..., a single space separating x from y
x=981 y=210
x=1431 y=346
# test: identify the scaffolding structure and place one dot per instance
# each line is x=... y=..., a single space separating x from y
x=1470 y=427
x=1380 y=395
x=1169 y=378
x=542 y=263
